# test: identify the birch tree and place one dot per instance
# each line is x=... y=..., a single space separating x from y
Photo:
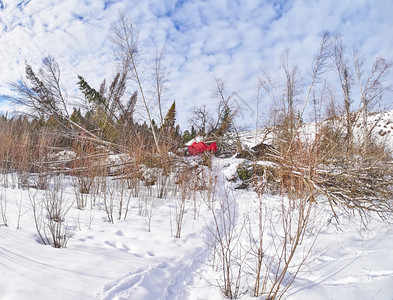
x=124 y=36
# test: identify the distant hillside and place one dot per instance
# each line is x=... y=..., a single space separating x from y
x=381 y=124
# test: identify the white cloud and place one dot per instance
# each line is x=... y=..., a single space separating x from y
x=203 y=39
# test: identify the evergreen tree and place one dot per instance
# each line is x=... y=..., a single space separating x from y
x=126 y=118
x=169 y=132
x=90 y=93
x=226 y=122
x=77 y=117
x=193 y=132
x=186 y=136
x=170 y=119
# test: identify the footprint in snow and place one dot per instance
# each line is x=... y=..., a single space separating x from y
x=120 y=233
x=110 y=244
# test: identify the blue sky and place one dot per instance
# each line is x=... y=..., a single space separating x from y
x=203 y=40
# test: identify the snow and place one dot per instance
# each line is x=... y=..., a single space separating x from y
x=196 y=139
x=64 y=155
x=353 y=263
x=126 y=261
x=102 y=260
x=379 y=123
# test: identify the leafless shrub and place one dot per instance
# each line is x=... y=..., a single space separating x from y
x=134 y=171
x=146 y=205
x=50 y=209
x=95 y=188
x=195 y=200
x=149 y=212
x=41 y=166
x=286 y=235
x=81 y=198
x=141 y=204
x=124 y=197
x=179 y=204
x=208 y=185
x=226 y=243
x=116 y=198
x=5 y=152
x=358 y=183
x=22 y=159
x=57 y=208
x=3 y=206
x=19 y=209
x=163 y=181
x=272 y=242
x=37 y=208
x=354 y=174
x=84 y=171
x=158 y=173
x=188 y=181
x=108 y=194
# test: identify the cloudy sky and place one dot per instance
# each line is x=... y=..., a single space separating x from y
x=203 y=40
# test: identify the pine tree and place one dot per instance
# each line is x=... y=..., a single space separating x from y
x=193 y=132
x=226 y=122
x=170 y=119
x=186 y=136
x=90 y=93
x=169 y=131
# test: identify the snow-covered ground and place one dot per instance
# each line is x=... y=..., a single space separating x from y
x=102 y=260
x=125 y=260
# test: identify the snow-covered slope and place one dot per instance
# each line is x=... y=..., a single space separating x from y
x=380 y=124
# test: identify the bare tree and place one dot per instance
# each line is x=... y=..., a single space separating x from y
x=124 y=36
x=372 y=87
x=201 y=119
x=224 y=130
x=345 y=77
x=318 y=67
x=159 y=82
x=291 y=91
x=180 y=204
x=223 y=102
x=284 y=95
